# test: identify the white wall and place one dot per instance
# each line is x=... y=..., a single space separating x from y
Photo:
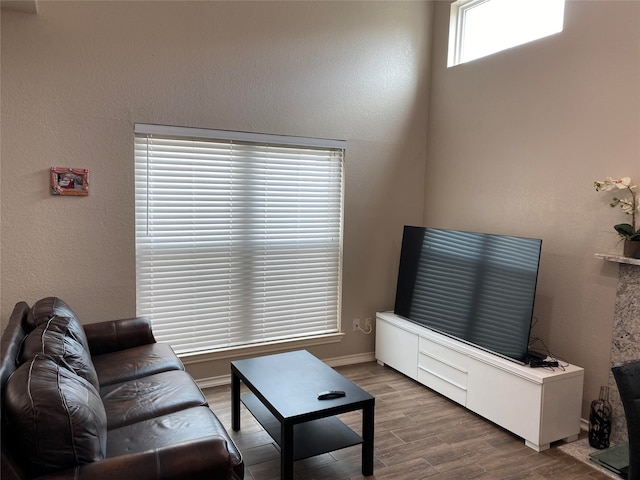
x=515 y=142
x=76 y=76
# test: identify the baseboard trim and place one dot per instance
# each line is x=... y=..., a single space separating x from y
x=350 y=359
x=584 y=425
x=221 y=380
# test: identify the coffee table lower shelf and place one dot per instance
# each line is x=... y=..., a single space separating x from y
x=311 y=438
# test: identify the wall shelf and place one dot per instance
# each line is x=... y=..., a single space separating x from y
x=613 y=257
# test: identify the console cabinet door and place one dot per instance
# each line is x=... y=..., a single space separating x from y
x=505 y=398
x=561 y=408
x=397 y=348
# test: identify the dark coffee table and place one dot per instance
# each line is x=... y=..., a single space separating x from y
x=284 y=400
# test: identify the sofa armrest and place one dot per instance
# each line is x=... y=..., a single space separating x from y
x=114 y=335
x=205 y=458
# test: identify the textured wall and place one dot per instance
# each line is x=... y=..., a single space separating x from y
x=76 y=76
x=515 y=142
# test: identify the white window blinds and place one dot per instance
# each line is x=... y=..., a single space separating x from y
x=238 y=236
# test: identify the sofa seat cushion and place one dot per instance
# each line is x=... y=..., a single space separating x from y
x=136 y=362
x=166 y=430
x=147 y=397
x=63 y=338
x=56 y=416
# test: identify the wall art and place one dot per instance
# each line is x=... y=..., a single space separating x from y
x=69 y=181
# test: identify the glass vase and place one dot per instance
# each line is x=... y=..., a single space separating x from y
x=600 y=420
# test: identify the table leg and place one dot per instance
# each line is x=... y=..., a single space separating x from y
x=286 y=451
x=235 y=401
x=367 y=437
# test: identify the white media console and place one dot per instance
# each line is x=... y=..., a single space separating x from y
x=540 y=405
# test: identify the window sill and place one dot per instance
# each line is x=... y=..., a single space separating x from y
x=260 y=349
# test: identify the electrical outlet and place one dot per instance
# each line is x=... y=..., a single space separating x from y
x=367 y=324
x=356 y=324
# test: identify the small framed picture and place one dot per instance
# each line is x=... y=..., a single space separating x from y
x=69 y=181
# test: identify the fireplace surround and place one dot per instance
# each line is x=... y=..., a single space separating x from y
x=625 y=345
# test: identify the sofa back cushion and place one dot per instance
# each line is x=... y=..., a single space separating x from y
x=44 y=309
x=57 y=417
x=64 y=339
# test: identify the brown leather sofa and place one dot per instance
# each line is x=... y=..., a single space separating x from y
x=103 y=401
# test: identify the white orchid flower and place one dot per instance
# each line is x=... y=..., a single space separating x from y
x=623 y=183
x=605 y=185
x=630 y=206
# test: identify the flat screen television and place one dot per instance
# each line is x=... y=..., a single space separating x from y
x=475 y=287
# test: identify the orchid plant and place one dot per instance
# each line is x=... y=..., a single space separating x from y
x=630 y=206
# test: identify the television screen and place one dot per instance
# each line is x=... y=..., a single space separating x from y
x=476 y=287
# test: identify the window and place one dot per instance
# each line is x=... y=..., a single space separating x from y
x=238 y=236
x=481 y=27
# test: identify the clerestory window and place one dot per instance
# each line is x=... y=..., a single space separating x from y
x=482 y=27
x=238 y=236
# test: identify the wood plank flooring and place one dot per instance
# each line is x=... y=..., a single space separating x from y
x=418 y=435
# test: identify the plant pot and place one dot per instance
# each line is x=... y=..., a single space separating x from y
x=631 y=248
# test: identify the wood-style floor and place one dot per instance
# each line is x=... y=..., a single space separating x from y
x=418 y=435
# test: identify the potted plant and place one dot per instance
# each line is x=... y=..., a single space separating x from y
x=630 y=206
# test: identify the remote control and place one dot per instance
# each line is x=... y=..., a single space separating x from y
x=329 y=394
